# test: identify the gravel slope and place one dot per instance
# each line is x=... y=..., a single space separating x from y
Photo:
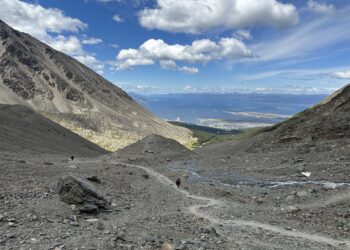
x=22 y=129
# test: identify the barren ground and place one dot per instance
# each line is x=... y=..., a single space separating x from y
x=148 y=209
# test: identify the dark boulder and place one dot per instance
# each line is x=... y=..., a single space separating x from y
x=80 y=192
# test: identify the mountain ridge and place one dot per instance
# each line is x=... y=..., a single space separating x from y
x=66 y=91
x=315 y=140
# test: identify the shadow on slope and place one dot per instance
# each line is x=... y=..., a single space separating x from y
x=22 y=129
x=155 y=148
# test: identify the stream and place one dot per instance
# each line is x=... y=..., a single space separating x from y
x=236 y=180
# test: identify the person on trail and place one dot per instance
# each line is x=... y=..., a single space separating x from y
x=178 y=182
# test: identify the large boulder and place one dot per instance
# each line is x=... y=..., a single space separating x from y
x=80 y=192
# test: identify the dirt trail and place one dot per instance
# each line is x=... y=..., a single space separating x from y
x=326 y=202
x=210 y=202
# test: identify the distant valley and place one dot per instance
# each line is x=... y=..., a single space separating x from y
x=230 y=111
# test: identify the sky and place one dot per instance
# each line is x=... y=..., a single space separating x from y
x=171 y=46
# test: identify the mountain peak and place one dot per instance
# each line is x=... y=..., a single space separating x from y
x=6 y=31
x=3 y=25
x=36 y=75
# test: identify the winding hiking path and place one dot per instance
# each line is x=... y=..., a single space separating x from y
x=215 y=203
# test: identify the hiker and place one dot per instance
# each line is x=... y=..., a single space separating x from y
x=72 y=157
x=178 y=182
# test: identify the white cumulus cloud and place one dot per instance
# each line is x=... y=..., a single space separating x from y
x=196 y=16
x=341 y=74
x=92 y=41
x=189 y=70
x=117 y=18
x=200 y=51
x=47 y=25
x=69 y=45
x=134 y=3
x=72 y=46
x=243 y=35
x=36 y=20
x=317 y=7
x=171 y=65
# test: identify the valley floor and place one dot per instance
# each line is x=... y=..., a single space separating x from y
x=149 y=210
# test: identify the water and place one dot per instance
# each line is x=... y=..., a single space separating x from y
x=227 y=111
x=239 y=181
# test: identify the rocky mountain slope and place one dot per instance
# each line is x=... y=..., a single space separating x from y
x=153 y=149
x=330 y=119
x=315 y=140
x=66 y=91
x=23 y=130
x=155 y=144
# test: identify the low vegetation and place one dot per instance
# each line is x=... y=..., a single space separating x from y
x=208 y=135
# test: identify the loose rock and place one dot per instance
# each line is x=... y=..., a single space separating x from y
x=166 y=246
x=292 y=209
x=75 y=190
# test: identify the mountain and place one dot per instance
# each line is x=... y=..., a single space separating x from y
x=71 y=94
x=155 y=145
x=154 y=149
x=327 y=120
x=315 y=140
x=24 y=130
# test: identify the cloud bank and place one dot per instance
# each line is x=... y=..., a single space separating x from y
x=200 y=51
x=341 y=74
x=316 y=7
x=197 y=16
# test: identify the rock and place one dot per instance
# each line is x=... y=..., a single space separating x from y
x=301 y=168
x=166 y=246
x=290 y=198
x=292 y=209
x=12 y=224
x=301 y=194
x=100 y=226
x=210 y=230
x=299 y=160
x=146 y=176
x=43 y=189
x=93 y=220
x=74 y=209
x=94 y=179
x=306 y=174
x=75 y=190
x=259 y=201
x=329 y=186
x=74 y=224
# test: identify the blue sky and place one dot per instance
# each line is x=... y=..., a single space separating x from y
x=161 y=46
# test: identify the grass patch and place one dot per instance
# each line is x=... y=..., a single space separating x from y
x=208 y=135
